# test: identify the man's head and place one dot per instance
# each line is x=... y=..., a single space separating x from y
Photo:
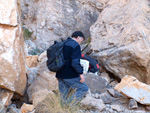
x=78 y=36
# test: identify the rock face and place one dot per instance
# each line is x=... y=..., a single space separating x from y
x=59 y=18
x=120 y=38
x=12 y=62
x=132 y=88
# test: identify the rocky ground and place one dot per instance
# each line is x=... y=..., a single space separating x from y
x=118 y=37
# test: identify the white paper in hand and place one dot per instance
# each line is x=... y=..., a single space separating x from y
x=85 y=65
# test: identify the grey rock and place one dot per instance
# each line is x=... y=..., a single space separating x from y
x=114 y=93
x=91 y=103
x=105 y=76
x=106 y=98
x=12 y=109
x=132 y=104
x=31 y=74
x=116 y=108
x=59 y=18
x=95 y=83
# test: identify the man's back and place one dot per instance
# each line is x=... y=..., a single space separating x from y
x=72 y=55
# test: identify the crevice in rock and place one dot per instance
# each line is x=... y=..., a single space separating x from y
x=7 y=26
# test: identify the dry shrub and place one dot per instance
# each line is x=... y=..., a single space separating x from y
x=52 y=104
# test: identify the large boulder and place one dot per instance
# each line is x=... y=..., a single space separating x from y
x=121 y=38
x=59 y=18
x=95 y=83
x=43 y=84
x=132 y=88
x=12 y=62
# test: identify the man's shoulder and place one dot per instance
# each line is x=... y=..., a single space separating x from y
x=71 y=43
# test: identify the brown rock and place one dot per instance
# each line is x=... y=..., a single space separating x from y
x=5 y=98
x=31 y=61
x=8 y=12
x=131 y=87
x=12 y=62
x=26 y=108
x=121 y=37
x=46 y=81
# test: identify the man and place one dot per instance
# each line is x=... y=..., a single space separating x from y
x=71 y=75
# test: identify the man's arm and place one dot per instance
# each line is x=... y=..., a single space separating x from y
x=76 y=56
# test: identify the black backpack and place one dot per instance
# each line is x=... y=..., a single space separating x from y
x=55 y=56
x=93 y=64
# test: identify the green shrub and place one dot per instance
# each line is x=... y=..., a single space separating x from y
x=27 y=34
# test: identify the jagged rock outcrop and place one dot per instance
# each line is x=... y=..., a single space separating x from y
x=49 y=20
x=12 y=62
x=121 y=38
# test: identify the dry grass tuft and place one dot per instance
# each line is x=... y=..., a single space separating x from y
x=51 y=104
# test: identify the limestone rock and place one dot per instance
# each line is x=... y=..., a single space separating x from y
x=116 y=108
x=12 y=109
x=26 y=108
x=31 y=74
x=131 y=87
x=8 y=12
x=89 y=102
x=59 y=18
x=107 y=99
x=132 y=104
x=114 y=93
x=5 y=98
x=95 y=83
x=44 y=81
x=121 y=37
x=12 y=62
x=31 y=61
x=43 y=57
x=105 y=76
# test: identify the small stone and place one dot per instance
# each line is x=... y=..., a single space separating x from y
x=31 y=61
x=90 y=103
x=148 y=107
x=132 y=104
x=97 y=95
x=12 y=109
x=106 y=98
x=26 y=108
x=116 y=108
x=111 y=92
x=105 y=76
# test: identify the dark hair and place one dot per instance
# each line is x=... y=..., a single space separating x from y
x=78 y=33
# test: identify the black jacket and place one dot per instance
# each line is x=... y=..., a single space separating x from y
x=72 y=55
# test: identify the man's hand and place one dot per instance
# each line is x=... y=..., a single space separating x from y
x=82 y=78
